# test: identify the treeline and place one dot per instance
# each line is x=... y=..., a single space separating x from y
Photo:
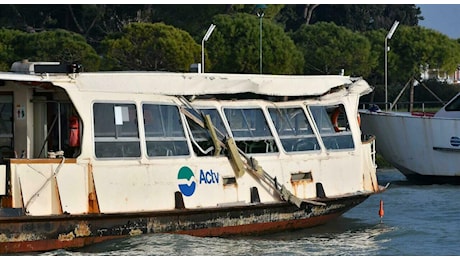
x=296 y=39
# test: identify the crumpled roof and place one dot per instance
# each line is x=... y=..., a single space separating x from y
x=168 y=83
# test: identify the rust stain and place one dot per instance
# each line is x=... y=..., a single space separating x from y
x=7 y=201
x=300 y=185
x=57 y=195
x=41 y=161
x=93 y=204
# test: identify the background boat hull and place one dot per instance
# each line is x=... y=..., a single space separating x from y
x=419 y=147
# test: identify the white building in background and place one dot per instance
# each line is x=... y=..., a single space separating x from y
x=440 y=75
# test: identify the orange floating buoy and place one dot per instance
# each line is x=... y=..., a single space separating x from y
x=381 y=212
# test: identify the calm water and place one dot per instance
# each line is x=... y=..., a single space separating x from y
x=418 y=220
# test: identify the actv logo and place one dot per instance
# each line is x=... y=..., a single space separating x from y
x=186 y=179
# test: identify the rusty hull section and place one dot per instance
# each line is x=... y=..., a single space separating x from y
x=44 y=233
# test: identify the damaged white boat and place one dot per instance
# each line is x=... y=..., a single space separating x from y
x=88 y=157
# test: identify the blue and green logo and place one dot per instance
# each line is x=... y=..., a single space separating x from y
x=186 y=179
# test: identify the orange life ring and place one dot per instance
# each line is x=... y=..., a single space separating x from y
x=335 y=119
x=74 y=136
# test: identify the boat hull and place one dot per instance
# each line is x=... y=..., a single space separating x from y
x=40 y=233
x=423 y=148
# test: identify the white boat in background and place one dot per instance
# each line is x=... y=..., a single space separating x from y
x=89 y=157
x=425 y=147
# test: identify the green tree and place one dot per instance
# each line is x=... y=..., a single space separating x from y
x=58 y=45
x=414 y=49
x=377 y=41
x=235 y=46
x=328 y=48
x=356 y=17
x=145 y=46
x=8 y=55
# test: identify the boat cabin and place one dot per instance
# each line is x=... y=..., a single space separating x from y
x=451 y=109
x=87 y=157
x=109 y=124
x=39 y=120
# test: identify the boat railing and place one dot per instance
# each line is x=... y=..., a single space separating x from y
x=417 y=106
x=369 y=140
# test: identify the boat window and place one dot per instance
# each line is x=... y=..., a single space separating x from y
x=333 y=126
x=250 y=130
x=454 y=105
x=204 y=144
x=116 y=131
x=164 y=132
x=294 y=130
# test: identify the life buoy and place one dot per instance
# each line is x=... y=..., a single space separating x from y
x=74 y=136
x=335 y=119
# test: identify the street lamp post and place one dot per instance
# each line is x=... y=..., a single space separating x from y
x=260 y=13
x=388 y=37
x=205 y=38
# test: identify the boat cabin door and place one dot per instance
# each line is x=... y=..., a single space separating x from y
x=6 y=126
x=52 y=121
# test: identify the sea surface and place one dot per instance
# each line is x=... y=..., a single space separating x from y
x=418 y=220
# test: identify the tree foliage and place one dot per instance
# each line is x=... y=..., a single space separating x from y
x=8 y=54
x=328 y=48
x=377 y=41
x=58 y=45
x=146 y=46
x=414 y=48
x=235 y=46
x=297 y=38
x=356 y=17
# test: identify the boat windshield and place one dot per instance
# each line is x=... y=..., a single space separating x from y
x=332 y=123
x=454 y=104
x=250 y=130
x=201 y=138
x=294 y=130
x=164 y=132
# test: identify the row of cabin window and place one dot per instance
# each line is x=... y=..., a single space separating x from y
x=116 y=130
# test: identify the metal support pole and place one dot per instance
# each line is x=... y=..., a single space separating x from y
x=389 y=35
x=260 y=40
x=386 y=73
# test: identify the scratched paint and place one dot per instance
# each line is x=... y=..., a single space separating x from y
x=82 y=230
x=19 y=237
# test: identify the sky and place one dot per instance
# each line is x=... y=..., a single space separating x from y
x=444 y=18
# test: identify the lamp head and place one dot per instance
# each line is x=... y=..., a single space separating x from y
x=208 y=33
x=392 y=30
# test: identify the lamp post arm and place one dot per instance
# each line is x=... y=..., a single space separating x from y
x=205 y=38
